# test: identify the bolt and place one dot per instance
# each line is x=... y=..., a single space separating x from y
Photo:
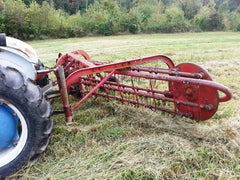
x=186 y=82
x=208 y=107
x=189 y=92
x=14 y=114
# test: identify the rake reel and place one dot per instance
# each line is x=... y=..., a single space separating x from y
x=186 y=89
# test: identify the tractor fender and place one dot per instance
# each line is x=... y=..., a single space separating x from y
x=11 y=58
x=22 y=47
x=19 y=55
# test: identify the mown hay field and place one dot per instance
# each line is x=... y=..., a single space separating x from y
x=110 y=140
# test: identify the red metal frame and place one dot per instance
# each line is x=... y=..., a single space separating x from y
x=191 y=89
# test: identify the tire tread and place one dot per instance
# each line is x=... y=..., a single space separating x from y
x=15 y=82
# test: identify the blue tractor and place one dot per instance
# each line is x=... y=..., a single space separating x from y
x=24 y=113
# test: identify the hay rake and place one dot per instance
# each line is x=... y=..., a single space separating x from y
x=186 y=89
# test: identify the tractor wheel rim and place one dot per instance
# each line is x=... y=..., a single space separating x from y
x=9 y=154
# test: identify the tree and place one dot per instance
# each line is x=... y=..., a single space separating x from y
x=15 y=18
x=169 y=2
x=190 y=7
x=126 y=4
x=224 y=7
x=175 y=20
x=146 y=9
x=208 y=18
x=103 y=17
x=27 y=2
x=233 y=4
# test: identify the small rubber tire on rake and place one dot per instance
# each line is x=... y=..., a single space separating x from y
x=23 y=101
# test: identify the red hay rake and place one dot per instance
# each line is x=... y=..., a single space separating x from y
x=186 y=89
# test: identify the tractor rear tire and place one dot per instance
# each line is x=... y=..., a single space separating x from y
x=24 y=101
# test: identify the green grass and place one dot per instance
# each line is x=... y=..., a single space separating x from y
x=114 y=141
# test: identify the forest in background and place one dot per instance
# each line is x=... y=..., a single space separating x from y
x=37 y=19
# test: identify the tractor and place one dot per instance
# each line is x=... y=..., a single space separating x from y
x=186 y=90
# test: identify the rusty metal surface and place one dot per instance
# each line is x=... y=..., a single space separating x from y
x=64 y=95
x=22 y=47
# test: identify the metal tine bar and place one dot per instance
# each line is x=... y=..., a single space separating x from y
x=147 y=95
x=170 y=111
x=199 y=95
x=68 y=65
x=174 y=97
x=173 y=71
x=94 y=89
x=154 y=100
x=212 y=84
x=161 y=84
x=116 y=80
x=119 y=89
x=135 y=92
x=158 y=70
x=101 y=77
x=162 y=103
x=137 y=88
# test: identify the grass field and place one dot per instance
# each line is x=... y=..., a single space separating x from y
x=114 y=141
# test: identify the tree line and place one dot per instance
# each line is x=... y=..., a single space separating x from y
x=37 y=19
